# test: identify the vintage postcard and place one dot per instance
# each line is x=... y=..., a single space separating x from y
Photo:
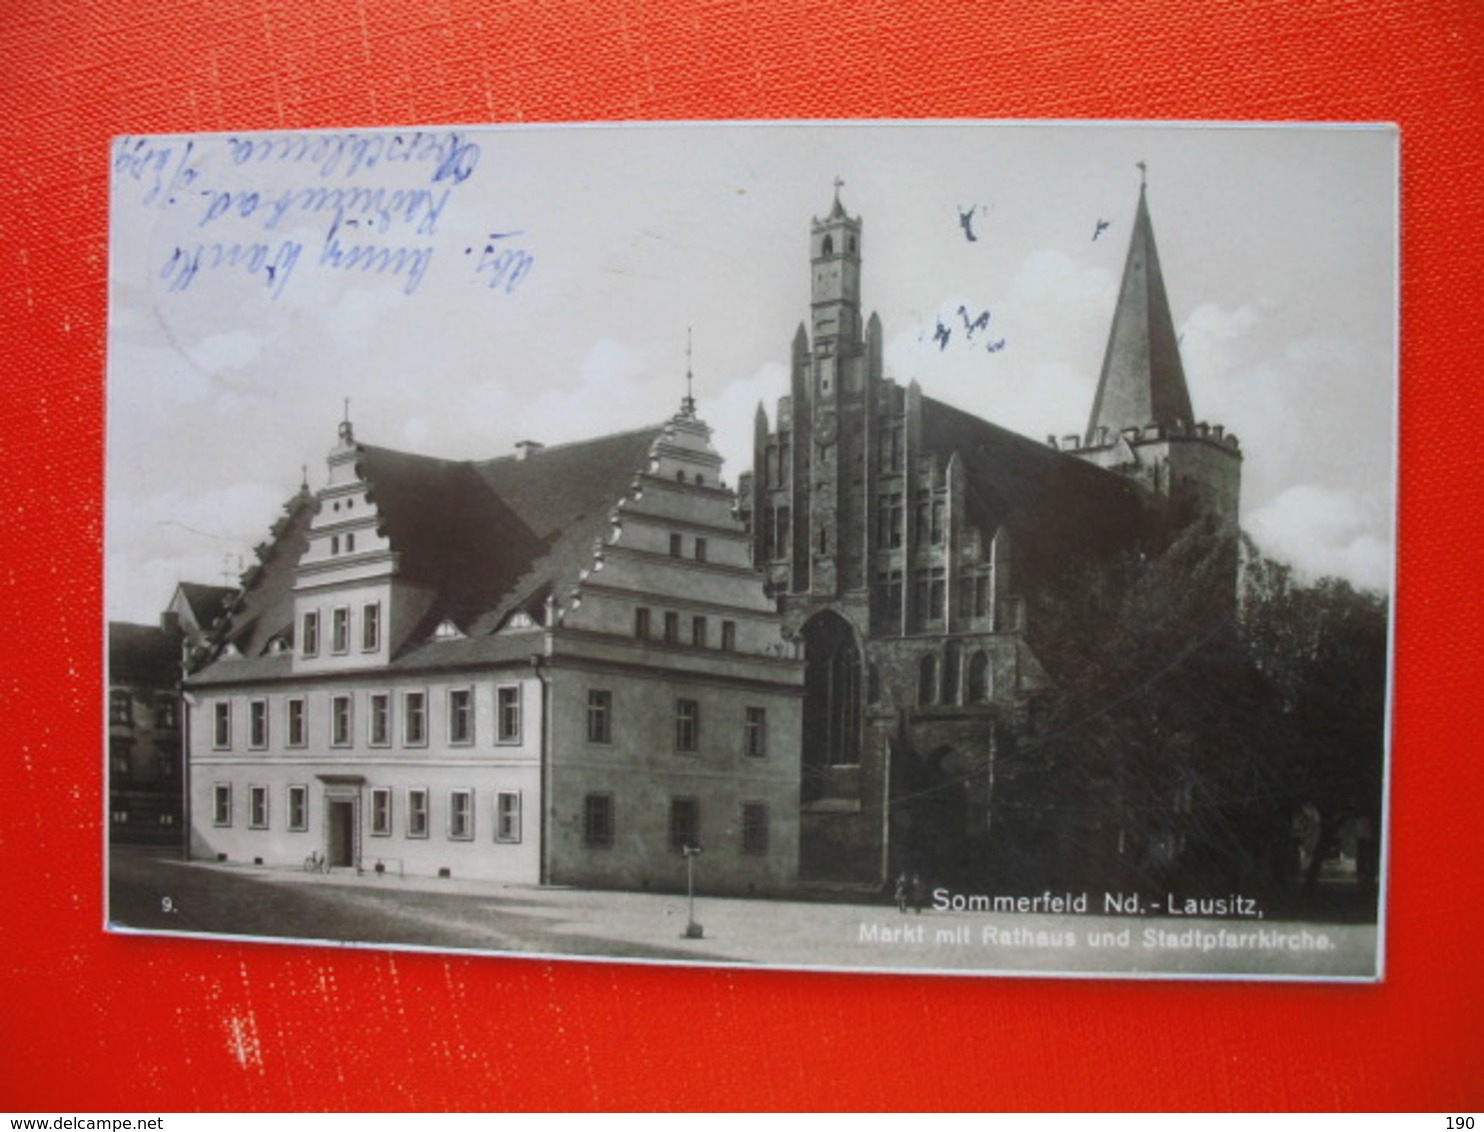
x=940 y=547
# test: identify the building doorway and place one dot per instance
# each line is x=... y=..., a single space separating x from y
x=342 y=832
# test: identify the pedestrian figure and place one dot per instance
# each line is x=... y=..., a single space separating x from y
x=916 y=893
x=902 y=894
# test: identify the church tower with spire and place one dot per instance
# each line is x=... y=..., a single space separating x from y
x=1142 y=423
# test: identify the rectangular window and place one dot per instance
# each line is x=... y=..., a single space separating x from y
x=685 y=824
x=755 y=733
x=221 y=804
x=507 y=816
x=598 y=821
x=340 y=630
x=599 y=716
x=641 y=624
x=381 y=719
x=165 y=711
x=371 y=627
x=298 y=722
x=672 y=628
x=221 y=729
x=937 y=522
x=698 y=632
x=415 y=719
x=257 y=807
x=687 y=725
x=507 y=713
x=890 y=518
x=784 y=534
x=340 y=722
x=674 y=546
x=381 y=812
x=700 y=550
x=460 y=715
x=729 y=636
x=417 y=812
x=257 y=724
x=311 y=633
x=755 y=828
x=118 y=750
x=298 y=808
x=120 y=707
x=460 y=815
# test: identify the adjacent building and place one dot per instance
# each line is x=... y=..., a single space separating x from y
x=146 y=719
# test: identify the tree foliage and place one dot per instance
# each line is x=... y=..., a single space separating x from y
x=1193 y=716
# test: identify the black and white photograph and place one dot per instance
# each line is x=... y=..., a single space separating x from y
x=944 y=547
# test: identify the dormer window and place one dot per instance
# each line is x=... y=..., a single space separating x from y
x=447 y=631
x=520 y=619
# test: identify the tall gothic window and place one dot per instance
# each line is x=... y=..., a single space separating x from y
x=952 y=664
x=832 y=704
x=927 y=680
x=979 y=678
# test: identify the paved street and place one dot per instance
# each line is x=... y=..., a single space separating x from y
x=155 y=893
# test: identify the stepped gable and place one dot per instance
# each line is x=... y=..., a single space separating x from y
x=1053 y=504
x=264 y=609
x=564 y=495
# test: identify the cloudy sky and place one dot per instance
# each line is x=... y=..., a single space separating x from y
x=539 y=283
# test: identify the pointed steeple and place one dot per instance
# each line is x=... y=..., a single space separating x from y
x=1143 y=380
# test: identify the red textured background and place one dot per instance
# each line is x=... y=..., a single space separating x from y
x=89 y=1021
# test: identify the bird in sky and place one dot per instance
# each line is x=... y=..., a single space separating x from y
x=1102 y=226
x=966 y=222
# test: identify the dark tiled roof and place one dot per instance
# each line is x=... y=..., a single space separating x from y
x=206 y=603
x=145 y=654
x=265 y=608
x=1053 y=504
x=488 y=537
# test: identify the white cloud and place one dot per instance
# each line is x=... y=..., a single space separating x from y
x=732 y=411
x=1326 y=531
x=194 y=536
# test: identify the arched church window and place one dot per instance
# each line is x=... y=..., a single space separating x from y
x=979 y=678
x=832 y=699
x=927 y=681
x=828 y=247
x=852 y=245
x=952 y=664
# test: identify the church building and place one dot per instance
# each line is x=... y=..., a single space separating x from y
x=908 y=544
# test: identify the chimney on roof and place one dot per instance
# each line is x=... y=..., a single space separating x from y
x=525 y=448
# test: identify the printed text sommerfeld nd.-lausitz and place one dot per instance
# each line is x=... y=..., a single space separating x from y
x=90 y=1123
x=1114 y=904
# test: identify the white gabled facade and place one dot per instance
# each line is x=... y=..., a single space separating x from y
x=581 y=731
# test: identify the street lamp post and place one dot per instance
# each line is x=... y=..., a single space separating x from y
x=693 y=930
